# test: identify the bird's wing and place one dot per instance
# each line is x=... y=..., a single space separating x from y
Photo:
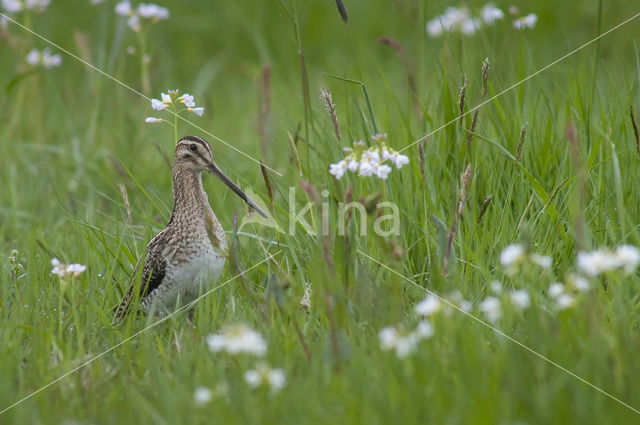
x=152 y=274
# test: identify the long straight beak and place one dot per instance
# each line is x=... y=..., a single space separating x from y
x=226 y=180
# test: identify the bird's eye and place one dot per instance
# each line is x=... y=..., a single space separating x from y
x=193 y=147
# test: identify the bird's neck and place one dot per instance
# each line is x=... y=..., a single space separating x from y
x=189 y=195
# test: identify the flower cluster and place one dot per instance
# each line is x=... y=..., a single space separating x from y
x=176 y=102
x=66 y=270
x=404 y=343
x=44 y=58
x=463 y=21
x=12 y=7
x=368 y=161
x=203 y=395
x=17 y=6
x=515 y=254
x=626 y=257
x=145 y=11
x=236 y=339
x=263 y=374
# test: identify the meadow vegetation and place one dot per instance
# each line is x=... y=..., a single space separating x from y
x=509 y=293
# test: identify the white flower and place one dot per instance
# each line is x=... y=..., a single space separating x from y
x=490 y=14
x=520 y=298
x=564 y=301
x=124 y=8
x=434 y=27
x=404 y=344
x=202 y=396
x=198 y=111
x=511 y=255
x=386 y=154
x=555 y=289
x=157 y=105
x=428 y=306
x=366 y=167
x=12 y=6
x=382 y=171
x=543 y=261
x=353 y=165
x=398 y=159
x=491 y=308
x=152 y=11
x=579 y=283
x=496 y=287
x=33 y=57
x=338 y=169
x=166 y=98
x=64 y=270
x=238 y=338
x=187 y=99
x=629 y=257
x=49 y=60
x=599 y=261
x=470 y=25
x=37 y=5
x=275 y=378
x=152 y=120
x=528 y=21
x=134 y=23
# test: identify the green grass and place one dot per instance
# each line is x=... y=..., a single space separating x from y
x=69 y=137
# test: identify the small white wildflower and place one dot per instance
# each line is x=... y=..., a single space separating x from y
x=470 y=25
x=49 y=60
x=555 y=290
x=64 y=270
x=152 y=11
x=404 y=344
x=33 y=57
x=263 y=374
x=37 y=5
x=382 y=171
x=564 y=301
x=595 y=262
x=465 y=305
x=134 y=23
x=511 y=255
x=338 y=169
x=629 y=257
x=12 y=6
x=153 y=120
x=398 y=159
x=528 y=21
x=353 y=165
x=543 y=261
x=198 y=111
x=202 y=396
x=424 y=329
x=166 y=98
x=430 y=305
x=366 y=167
x=491 y=308
x=496 y=287
x=187 y=99
x=124 y=8
x=238 y=338
x=490 y=14
x=434 y=27
x=520 y=298
x=158 y=105
x=579 y=283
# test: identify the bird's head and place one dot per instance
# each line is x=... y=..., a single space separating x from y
x=194 y=153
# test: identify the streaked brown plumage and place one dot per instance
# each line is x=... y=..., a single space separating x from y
x=190 y=250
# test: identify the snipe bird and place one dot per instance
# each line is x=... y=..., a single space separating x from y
x=190 y=251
